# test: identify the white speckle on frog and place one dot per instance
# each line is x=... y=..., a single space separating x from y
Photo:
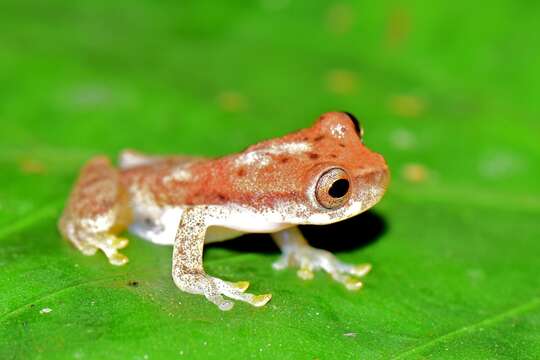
x=499 y=164
x=402 y=139
x=99 y=223
x=338 y=131
x=263 y=157
x=179 y=174
x=45 y=310
x=350 y=334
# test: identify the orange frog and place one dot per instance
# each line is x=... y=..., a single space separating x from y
x=319 y=175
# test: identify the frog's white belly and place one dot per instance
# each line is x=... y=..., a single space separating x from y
x=160 y=224
x=156 y=224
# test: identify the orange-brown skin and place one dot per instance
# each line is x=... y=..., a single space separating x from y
x=286 y=177
x=318 y=175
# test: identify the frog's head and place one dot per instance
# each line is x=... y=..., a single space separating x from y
x=319 y=175
x=348 y=178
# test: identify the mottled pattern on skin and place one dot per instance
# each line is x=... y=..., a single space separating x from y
x=217 y=181
x=97 y=210
x=270 y=187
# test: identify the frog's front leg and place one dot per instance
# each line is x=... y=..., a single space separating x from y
x=188 y=272
x=297 y=252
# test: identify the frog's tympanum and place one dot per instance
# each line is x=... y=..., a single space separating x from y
x=318 y=175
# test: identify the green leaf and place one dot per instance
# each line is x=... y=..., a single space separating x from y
x=447 y=92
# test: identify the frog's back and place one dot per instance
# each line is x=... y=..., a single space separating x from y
x=131 y=159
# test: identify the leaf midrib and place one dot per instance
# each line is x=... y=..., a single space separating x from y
x=489 y=321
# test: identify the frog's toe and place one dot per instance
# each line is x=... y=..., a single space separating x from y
x=305 y=272
x=117 y=258
x=350 y=282
x=359 y=270
x=281 y=263
x=260 y=300
x=117 y=242
x=220 y=301
x=347 y=274
x=234 y=292
x=239 y=285
x=87 y=249
x=114 y=257
x=255 y=300
x=109 y=245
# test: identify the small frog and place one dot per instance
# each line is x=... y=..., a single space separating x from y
x=318 y=175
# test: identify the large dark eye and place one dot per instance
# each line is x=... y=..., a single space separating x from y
x=332 y=189
x=357 y=125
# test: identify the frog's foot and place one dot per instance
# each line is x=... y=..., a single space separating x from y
x=214 y=289
x=309 y=259
x=109 y=244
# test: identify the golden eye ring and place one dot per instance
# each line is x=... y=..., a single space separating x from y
x=332 y=189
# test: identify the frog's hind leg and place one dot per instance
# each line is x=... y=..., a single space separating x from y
x=97 y=211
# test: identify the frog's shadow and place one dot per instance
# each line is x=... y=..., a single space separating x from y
x=351 y=234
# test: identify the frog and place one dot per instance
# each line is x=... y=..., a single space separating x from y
x=318 y=175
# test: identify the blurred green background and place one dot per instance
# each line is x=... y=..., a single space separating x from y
x=447 y=91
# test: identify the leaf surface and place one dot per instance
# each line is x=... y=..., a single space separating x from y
x=446 y=92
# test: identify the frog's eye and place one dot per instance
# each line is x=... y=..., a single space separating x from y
x=357 y=125
x=332 y=189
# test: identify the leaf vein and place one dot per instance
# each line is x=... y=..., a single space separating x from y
x=56 y=292
x=30 y=219
x=516 y=310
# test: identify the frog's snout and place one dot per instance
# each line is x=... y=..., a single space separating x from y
x=371 y=186
x=379 y=178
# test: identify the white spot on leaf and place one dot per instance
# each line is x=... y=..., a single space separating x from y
x=402 y=139
x=499 y=164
